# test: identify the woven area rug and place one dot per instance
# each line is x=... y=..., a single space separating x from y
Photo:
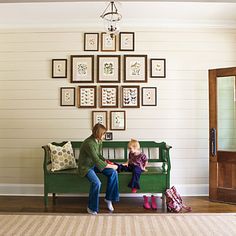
x=119 y=224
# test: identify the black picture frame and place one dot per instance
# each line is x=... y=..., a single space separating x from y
x=157 y=68
x=126 y=41
x=67 y=96
x=135 y=69
x=59 y=68
x=91 y=42
x=149 y=96
x=109 y=136
x=85 y=72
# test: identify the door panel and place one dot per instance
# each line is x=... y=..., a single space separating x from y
x=222 y=143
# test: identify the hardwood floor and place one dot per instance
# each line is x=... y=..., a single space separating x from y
x=126 y=205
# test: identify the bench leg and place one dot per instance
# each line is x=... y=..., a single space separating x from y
x=45 y=199
x=54 y=198
x=163 y=201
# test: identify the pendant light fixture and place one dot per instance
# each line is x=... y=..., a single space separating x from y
x=111 y=17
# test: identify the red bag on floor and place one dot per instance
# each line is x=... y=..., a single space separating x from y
x=174 y=201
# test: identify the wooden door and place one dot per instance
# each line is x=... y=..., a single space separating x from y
x=222 y=133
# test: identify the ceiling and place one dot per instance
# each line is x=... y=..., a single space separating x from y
x=135 y=13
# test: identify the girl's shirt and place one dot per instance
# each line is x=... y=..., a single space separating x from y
x=138 y=159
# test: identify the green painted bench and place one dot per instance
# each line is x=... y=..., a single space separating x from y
x=155 y=180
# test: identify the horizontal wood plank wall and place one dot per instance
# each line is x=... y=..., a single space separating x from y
x=31 y=115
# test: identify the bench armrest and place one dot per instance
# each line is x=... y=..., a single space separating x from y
x=47 y=158
x=166 y=166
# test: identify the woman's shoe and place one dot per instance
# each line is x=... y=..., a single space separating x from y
x=154 y=202
x=146 y=204
x=109 y=205
x=91 y=212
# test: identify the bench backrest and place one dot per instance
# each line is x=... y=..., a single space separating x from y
x=118 y=150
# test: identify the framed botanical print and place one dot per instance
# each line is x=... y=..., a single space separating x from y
x=135 y=68
x=99 y=117
x=87 y=96
x=109 y=96
x=130 y=97
x=108 y=43
x=59 y=68
x=149 y=96
x=117 y=120
x=67 y=96
x=108 y=68
x=82 y=69
x=91 y=41
x=158 y=68
x=126 y=41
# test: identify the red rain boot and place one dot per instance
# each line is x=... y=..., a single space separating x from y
x=154 y=202
x=146 y=204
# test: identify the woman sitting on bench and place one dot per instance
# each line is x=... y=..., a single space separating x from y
x=91 y=162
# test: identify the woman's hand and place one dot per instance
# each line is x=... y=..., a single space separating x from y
x=125 y=164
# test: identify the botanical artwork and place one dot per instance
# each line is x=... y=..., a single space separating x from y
x=87 y=96
x=108 y=68
x=82 y=69
x=91 y=42
x=117 y=119
x=130 y=96
x=109 y=95
x=135 y=68
x=67 y=96
x=99 y=119
x=149 y=96
x=108 y=41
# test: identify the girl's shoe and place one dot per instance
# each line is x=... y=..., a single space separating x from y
x=146 y=204
x=154 y=202
x=134 y=190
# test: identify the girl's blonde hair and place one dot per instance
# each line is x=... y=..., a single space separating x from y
x=98 y=131
x=134 y=143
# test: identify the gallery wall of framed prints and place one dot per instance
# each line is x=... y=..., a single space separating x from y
x=108 y=80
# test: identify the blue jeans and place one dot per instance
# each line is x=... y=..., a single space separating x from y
x=137 y=171
x=112 y=191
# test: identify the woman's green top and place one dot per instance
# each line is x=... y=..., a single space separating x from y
x=90 y=155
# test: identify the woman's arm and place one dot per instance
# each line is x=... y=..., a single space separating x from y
x=91 y=152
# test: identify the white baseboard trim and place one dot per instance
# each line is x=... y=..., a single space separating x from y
x=37 y=190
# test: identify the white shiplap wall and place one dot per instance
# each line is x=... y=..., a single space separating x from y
x=31 y=115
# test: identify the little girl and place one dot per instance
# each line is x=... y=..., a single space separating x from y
x=137 y=164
